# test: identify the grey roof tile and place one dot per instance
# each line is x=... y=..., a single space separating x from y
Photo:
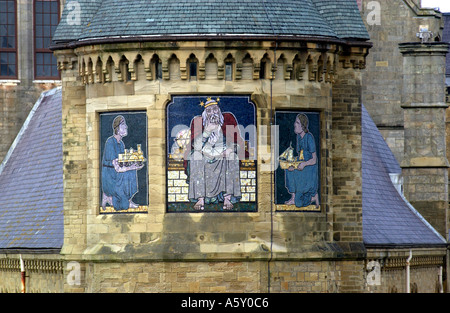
x=111 y=18
x=388 y=219
x=31 y=180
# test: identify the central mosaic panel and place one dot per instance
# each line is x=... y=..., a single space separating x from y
x=211 y=154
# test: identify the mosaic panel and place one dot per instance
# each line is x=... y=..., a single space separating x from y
x=123 y=168
x=211 y=161
x=297 y=178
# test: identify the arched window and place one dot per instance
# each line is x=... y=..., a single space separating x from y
x=192 y=67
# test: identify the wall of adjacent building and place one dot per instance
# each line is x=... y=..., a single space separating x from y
x=390 y=23
x=386 y=270
x=18 y=95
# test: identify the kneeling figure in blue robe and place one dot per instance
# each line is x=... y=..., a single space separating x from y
x=119 y=183
x=302 y=182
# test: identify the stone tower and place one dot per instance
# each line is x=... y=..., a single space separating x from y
x=425 y=164
x=284 y=64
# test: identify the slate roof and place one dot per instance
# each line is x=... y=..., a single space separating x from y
x=388 y=218
x=31 y=181
x=153 y=18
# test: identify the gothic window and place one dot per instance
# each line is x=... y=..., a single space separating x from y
x=229 y=66
x=192 y=67
x=264 y=69
x=8 y=39
x=46 y=19
x=158 y=67
x=229 y=71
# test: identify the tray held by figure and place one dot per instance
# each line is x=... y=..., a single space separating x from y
x=131 y=156
x=287 y=158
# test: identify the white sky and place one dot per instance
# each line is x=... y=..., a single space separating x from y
x=443 y=5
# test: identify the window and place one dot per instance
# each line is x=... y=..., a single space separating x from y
x=193 y=70
x=8 y=42
x=156 y=67
x=46 y=18
x=262 y=71
x=192 y=64
x=228 y=71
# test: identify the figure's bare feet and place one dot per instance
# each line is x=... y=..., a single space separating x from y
x=133 y=205
x=291 y=201
x=316 y=200
x=200 y=205
x=106 y=200
x=227 y=205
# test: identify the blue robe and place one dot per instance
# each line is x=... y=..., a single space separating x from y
x=120 y=186
x=304 y=183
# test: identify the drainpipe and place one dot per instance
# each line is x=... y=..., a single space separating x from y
x=22 y=271
x=408 y=287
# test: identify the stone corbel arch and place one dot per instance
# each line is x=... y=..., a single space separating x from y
x=123 y=69
x=257 y=56
x=289 y=70
x=98 y=70
x=281 y=74
x=211 y=64
x=133 y=59
x=171 y=64
x=90 y=71
x=108 y=68
x=313 y=66
x=329 y=76
x=116 y=58
x=321 y=68
x=150 y=60
x=299 y=64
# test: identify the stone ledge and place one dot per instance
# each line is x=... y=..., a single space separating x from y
x=438 y=105
x=418 y=48
x=425 y=162
x=258 y=251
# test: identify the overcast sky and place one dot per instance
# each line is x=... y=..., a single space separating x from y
x=443 y=5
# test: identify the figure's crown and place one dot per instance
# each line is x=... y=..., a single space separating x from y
x=209 y=102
